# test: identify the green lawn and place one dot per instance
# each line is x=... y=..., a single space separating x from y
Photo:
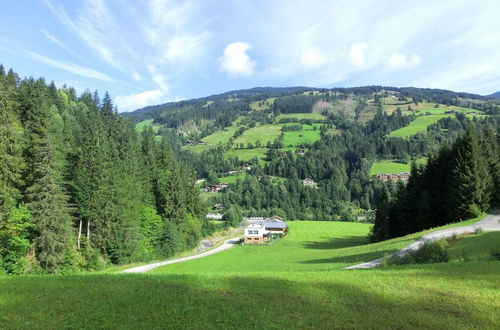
x=232 y=178
x=262 y=133
x=420 y=124
x=293 y=284
x=247 y=154
x=389 y=167
x=307 y=135
x=312 y=116
x=475 y=247
x=143 y=124
x=255 y=105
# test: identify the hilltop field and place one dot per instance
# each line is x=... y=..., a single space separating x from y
x=294 y=283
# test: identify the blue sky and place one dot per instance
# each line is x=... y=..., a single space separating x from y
x=151 y=52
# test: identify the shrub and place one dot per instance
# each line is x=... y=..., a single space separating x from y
x=495 y=254
x=430 y=252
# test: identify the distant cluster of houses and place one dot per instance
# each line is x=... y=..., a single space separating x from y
x=260 y=230
x=310 y=183
x=216 y=188
x=403 y=176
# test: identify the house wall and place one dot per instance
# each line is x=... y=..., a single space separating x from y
x=254 y=240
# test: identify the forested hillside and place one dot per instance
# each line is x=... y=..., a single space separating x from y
x=79 y=186
x=334 y=137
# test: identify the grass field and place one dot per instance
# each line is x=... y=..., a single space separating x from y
x=420 y=124
x=149 y=122
x=311 y=116
x=475 y=247
x=389 y=167
x=247 y=154
x=255 y=105
x=232 y=178
x=290 y=284
x=307 y=135
x=262 y=133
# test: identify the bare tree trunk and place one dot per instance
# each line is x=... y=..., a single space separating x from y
x=79 y=234
x=88 y=231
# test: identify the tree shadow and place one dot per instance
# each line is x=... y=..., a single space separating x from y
x=337 y=243
x=211 y=301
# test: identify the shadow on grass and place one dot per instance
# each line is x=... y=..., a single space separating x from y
x=193 y=302
x=337 y=243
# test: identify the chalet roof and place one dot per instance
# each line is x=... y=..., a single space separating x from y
x=275 y=224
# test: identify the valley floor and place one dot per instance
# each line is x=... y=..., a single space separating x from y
x=294 y=283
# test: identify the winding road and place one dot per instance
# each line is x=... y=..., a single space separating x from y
x=489 y=223
x=145 y=268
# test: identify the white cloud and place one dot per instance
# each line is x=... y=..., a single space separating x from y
x=138 y=100
x=73 y=68
x=59 y=43
x=235 y=60
x=399 y=61
x=312 y=58
x=357 y=54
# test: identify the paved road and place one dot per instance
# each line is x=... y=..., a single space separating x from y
x=142 y=269
x=489 y=223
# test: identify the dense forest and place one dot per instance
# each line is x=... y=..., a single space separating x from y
x=79 y=187
x=459 y=182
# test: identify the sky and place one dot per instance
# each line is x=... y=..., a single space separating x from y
x=152 y=52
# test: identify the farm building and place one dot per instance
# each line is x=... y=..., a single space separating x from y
x=214 y=216
x=310 y=183
x=216 y=187
x=262 y=230
x=403 y=176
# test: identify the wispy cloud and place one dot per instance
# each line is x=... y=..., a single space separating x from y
x=73 y=68
x=59 y=43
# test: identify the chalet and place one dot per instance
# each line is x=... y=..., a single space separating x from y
x=214 y=216
x=246 y=167
x=403 y=176
x=231 y=172
x=218 y=207
x=255 y=234
x=216 y=187
x=200 y=143
x=261 y=231
x=310 y=183
x=300 y=152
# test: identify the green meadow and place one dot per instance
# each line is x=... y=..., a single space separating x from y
x=389 y=167
x=311 y=116
x=262 y=133
x=143 y=124
x=247 y=154
x=294 y=283
x=420 y=124
x=307 y=135
x=232 y=178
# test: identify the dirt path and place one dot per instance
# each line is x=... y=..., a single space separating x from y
x=145 y=268
x=489 y=223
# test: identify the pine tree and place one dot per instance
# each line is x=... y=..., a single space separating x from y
x=471 y=180
x=11 y=161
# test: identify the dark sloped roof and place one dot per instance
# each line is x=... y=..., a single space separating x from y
x=274 y=224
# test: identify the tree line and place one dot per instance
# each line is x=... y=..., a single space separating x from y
x=79 y=187
x=459 y=182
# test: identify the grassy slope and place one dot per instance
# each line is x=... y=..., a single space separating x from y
x=247 y=154
x=312 y=116
x=389 y=167
x=475 y=247
x=263 y=133
x=140 y=126
x=420 y=124
x=307 y=135
x=301 y=293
